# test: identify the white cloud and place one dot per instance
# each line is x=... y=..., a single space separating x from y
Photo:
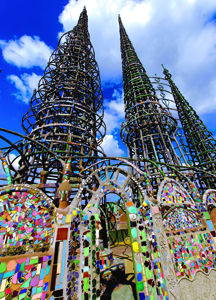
x=25 y=85
x=180 y=36
x=26 y=52
x=114 y=111
x=111 y=146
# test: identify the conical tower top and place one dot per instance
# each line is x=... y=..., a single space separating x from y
x=83 y=19
x=201 y=142
x=148 y=127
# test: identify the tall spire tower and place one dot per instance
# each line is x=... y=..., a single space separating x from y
x=148 y=125
x=66 y=114
x=201 y=143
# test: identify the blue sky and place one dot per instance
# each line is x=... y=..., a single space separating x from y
x=179 y=34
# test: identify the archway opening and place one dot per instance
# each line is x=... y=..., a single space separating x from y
x=115 y=249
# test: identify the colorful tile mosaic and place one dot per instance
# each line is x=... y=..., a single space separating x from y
x=172 y=193
x=211 y=198
x=181 y=218
x=152 y=256
x=191 y=253
x=26 y=221
x=106 y=259
x=25 y=278
x=73 y=260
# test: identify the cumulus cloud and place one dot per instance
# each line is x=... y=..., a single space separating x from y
x=26 y=52
x=25 y=85
x=111 y=146
x=182 y=37
x=114 y=111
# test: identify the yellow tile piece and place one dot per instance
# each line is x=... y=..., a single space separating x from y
x=68 y=219
x=74 y=213
x=135 y=246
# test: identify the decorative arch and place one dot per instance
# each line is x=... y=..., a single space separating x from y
x=172 y=192
x=209 y=197
x=107 y=185
x=103 y=185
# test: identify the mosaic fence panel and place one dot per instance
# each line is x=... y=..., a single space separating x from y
x=26 y=221
x=191 y=253
x=153 y=254
x=25 y=278
x=191 y=245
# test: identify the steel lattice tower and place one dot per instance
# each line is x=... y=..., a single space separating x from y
x=148 y=125
x=201 y=144
x=66 y=113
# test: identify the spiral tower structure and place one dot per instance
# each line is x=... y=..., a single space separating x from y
x=66 y=113
x=149 y=127
x=201 y=143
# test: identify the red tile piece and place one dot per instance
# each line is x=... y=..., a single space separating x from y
x=62 y=234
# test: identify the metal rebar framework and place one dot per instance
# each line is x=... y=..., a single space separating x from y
x=66 y=114
x=201 y=143
x=78 y=242
x=149 y=126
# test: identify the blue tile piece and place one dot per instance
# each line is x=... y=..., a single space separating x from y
x=42 y=273
x=34 y=290
x=46 y=286
x=17 y=268
x=210 y=225
x=23 y=291
x=141 y=296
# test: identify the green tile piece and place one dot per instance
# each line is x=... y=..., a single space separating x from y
x=140 y=286
x=22 y=267
x=26 y=284
x=22 y=296
x=86 y=251
x=39 y=290
x=132 y=210
x=2 y=267
x=86 y=284
x=206 y=215
x=33 y=261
